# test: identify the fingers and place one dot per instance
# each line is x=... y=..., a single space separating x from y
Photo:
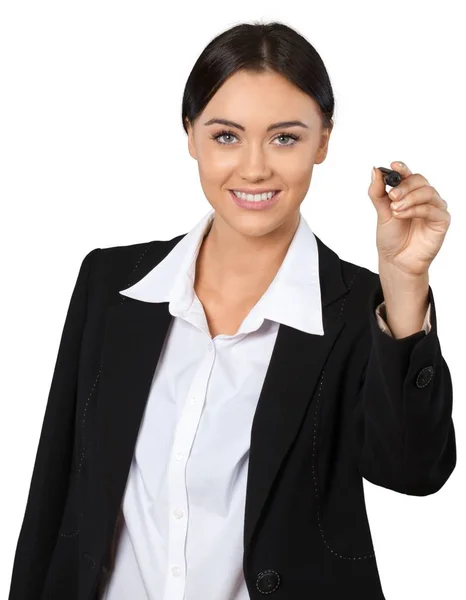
x=422 y=195
x=412 y=193
x=428 y=212
x=410 y=183
x=402 y=168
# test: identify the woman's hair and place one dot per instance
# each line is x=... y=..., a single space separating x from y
x=257 y=48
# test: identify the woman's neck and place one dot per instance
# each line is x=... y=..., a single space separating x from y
x=229 y=263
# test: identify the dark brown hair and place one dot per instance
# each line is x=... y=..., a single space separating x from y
x=258 y=47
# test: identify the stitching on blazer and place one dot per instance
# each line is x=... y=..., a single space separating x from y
x=137 y=265
x=314 y=473
x=84 y=420
x=83 y=441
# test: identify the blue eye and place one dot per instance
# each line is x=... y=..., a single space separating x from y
x=226 y=132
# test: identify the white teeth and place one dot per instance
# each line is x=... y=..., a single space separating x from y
x=254 y=197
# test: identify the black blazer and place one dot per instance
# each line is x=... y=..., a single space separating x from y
x=333 y=409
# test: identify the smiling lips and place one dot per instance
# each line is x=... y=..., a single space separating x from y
x=250 y=191
x=255 y=203
x=255 y=197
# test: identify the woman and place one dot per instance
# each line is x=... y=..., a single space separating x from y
x=218 y=398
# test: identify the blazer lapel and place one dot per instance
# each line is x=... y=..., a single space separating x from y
x=134 y=336
x=293 y=372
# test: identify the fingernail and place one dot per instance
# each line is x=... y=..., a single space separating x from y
x=373 y=175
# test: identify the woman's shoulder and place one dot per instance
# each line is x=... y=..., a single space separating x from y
x=113 y=268
x=352 y=271
x=120 y=258
x=357 y=278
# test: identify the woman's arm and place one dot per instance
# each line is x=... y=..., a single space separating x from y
x=403 y=416
x=48 y=488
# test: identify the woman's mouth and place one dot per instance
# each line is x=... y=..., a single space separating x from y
x=255 y=205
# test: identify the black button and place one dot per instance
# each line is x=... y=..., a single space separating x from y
x=89 y=559
x=425 y=377
x=267 y=581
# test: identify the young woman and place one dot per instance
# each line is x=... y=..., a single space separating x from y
x=218 y=398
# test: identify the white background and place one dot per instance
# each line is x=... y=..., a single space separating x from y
x=93 y=154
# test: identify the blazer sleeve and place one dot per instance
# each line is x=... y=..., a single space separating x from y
x=48 y=487
x=404 y=410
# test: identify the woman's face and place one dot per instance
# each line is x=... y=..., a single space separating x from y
x=255 y=158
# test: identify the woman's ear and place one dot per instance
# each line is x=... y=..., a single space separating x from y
x=191 y=145
x=323 y=147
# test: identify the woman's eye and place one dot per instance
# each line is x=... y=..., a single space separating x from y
x=291 y=137
x=218 y=137
x=223 y=135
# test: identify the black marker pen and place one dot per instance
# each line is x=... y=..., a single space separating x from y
x=390 y=177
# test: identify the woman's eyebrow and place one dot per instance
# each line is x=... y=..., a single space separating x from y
x=269 y=128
